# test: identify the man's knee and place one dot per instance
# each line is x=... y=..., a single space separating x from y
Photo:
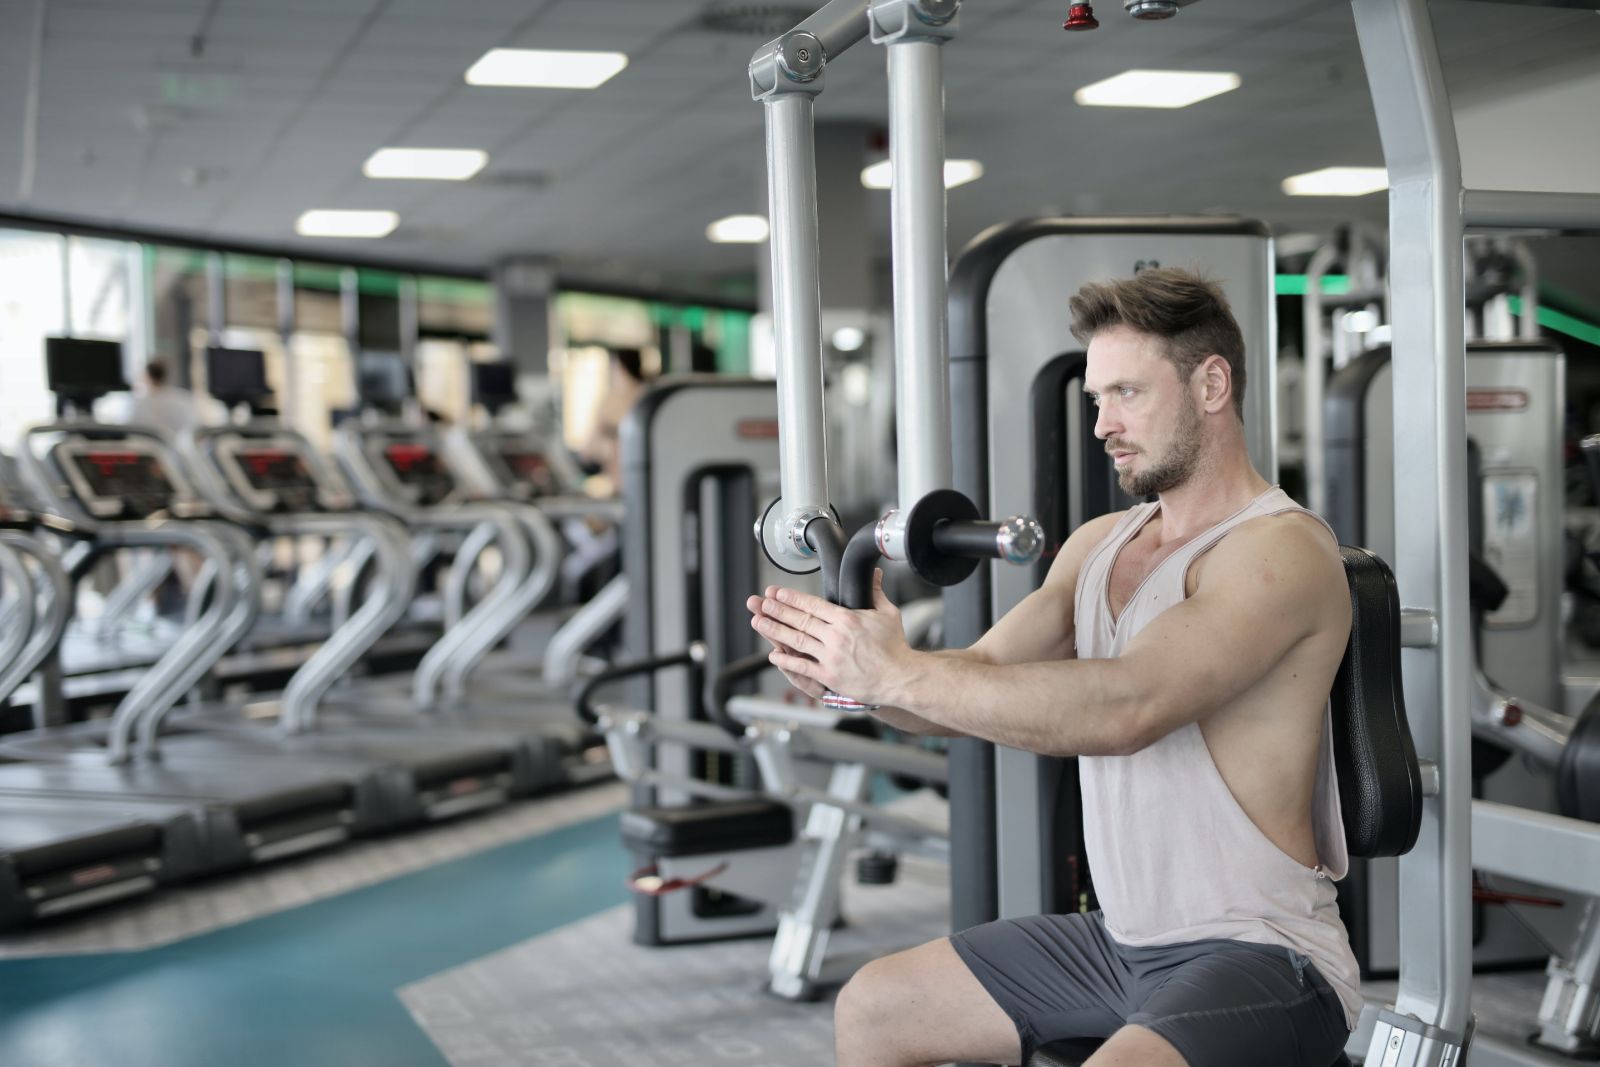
x=866 y=1002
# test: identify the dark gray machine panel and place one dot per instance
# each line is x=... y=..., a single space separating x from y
x=1515 y=392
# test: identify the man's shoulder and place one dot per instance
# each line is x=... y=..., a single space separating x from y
x=1289 y=554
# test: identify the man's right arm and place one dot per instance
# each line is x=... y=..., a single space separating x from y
x=1039 y=629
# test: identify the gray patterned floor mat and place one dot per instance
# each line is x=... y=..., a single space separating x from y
x=586 y=996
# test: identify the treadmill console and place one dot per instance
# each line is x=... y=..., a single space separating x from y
x=530 y=470
x=14 y=511
x=127 y=479
x=275 y=473
x=279 y=475
x=418 y=467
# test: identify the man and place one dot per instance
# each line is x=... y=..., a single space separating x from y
x=165 y=407
x=1185 y=650
x=625 y=384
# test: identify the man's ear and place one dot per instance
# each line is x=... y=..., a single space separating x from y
x=1216 y=384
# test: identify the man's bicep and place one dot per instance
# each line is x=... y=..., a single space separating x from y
x=1036 y=630
x=1260 y=599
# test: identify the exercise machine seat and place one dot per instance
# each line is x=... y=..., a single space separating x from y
x=698 y=829
x=1380 y=782
x=1578 y=778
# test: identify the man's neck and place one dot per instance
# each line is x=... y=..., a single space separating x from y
x=1217 y=489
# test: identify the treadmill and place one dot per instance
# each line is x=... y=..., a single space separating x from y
x=63 y=855
x=518 y=465
x=117 y=488
x=269 y=479
x=400 y=468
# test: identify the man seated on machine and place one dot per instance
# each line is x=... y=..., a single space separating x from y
x=1185 y=650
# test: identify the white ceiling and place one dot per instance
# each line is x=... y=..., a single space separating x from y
x=277 y=110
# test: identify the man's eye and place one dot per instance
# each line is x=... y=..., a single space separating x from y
x=1125 y=392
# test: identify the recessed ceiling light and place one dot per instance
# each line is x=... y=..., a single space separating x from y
x=441 y=164
x=956 y=172
x=533 y=68
x=1337 y=181
x=738 y=230
x=346 y=223
x=1156 y=88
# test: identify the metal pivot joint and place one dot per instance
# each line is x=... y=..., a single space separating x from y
x=1152 y=10
x=895 y=20
x=791 y=63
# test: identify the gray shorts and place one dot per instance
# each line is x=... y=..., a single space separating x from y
x=1219 y=1003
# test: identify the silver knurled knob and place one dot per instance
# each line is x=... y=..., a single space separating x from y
x=1021 y=540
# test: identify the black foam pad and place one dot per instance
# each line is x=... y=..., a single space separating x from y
x=698 y=829
x=1380 y=784
x=1578 y=780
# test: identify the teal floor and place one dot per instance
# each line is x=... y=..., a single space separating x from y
x=314 y=986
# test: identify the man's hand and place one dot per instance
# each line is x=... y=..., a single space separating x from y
x=820 y=646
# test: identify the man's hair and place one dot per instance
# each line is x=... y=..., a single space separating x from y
x=1188 y=313
x=156 y=371
x=631 y=360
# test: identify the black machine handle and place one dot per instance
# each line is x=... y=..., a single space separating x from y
x=722 y=690
x=694 y=655
x=1590 y=447
x=945 y=538
x=1016 y=540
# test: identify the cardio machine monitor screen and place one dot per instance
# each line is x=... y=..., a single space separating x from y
x=79 y=368
x=124 y=474
x=275 y=468
x=234 y=374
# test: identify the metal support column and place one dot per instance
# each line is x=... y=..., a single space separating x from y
x=1431 y=1017
x=786 y=76
x=914 y=32
x=288 y=389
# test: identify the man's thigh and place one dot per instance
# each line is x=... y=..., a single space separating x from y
x=1241 y=1005
x=921 y=1006
x=1054 y=976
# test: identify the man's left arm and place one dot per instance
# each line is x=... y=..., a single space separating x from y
x=1263 y=589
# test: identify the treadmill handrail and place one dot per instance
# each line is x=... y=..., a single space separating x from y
x=45 y=635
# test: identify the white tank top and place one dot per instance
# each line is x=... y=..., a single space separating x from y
x=1173 y=856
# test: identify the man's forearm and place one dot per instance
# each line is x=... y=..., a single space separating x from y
x=911 y=723
x=908 y=723
x=1066 y=707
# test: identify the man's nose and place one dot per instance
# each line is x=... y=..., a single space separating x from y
x=1106 y=424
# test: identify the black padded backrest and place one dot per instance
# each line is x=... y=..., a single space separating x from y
x=1380 y=784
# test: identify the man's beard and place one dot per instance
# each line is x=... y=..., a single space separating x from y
x=1175 y=467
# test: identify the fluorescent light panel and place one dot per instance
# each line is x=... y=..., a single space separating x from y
x=1337 y=181
x=956 y=172
x=438 y=164
x=534 y=68
x=1157 y=88
x=738 y=230
x=346 y=223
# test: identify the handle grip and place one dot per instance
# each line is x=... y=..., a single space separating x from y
x=694 y=654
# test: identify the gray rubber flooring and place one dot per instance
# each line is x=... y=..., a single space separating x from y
x=586 y=995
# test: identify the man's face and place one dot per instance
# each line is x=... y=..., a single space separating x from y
x=1148 y=418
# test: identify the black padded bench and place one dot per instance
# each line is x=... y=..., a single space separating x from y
x=1380 y=783
x=699 y=829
